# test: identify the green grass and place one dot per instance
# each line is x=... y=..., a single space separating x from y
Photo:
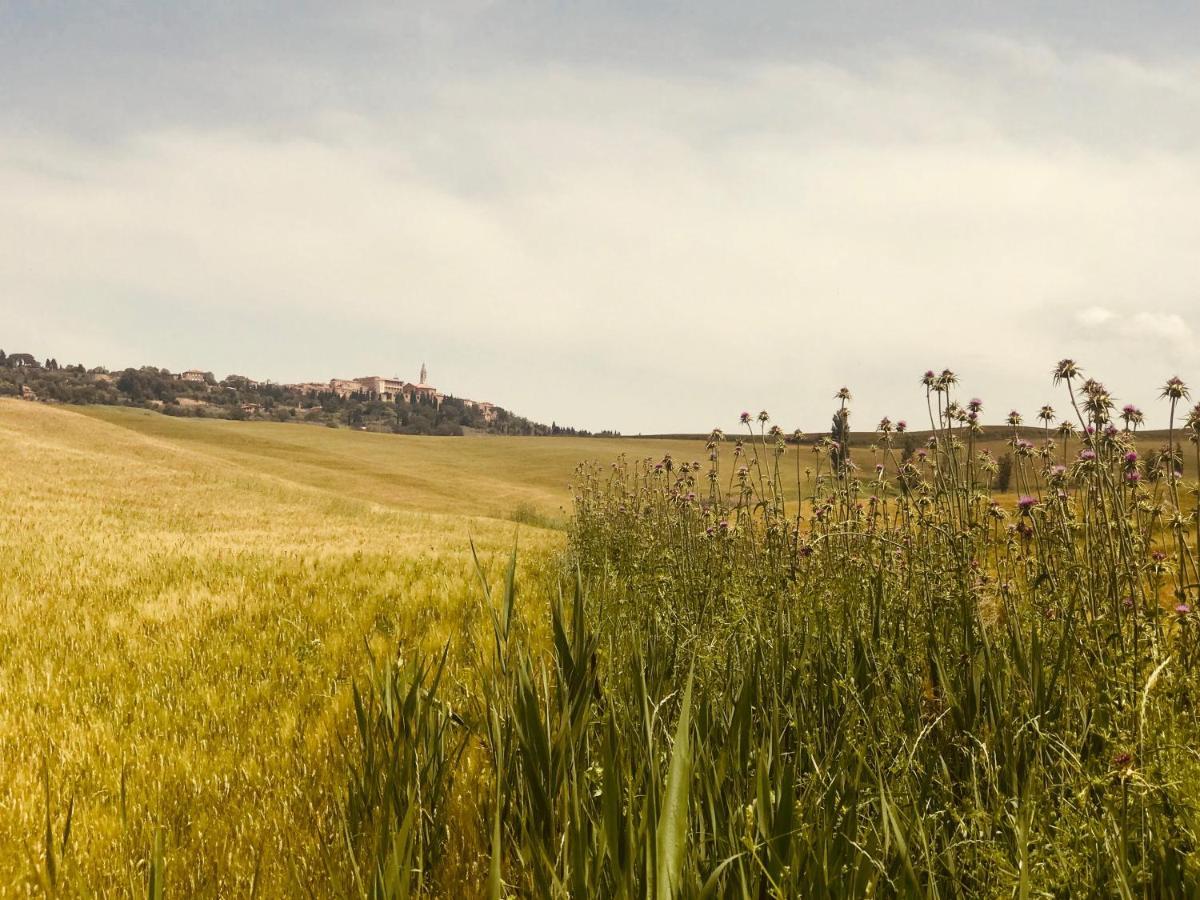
x=481 y=475
x=248 y=658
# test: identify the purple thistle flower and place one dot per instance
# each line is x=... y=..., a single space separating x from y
x=1087 y=455
x=1026 y=503
x=745 y=417
x=1183 y=609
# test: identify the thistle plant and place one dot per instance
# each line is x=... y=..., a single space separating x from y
x=794 y=677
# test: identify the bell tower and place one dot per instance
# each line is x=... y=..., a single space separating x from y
x=423 y=373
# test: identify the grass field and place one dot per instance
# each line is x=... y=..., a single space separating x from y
x=187 y=606
x=183 y=604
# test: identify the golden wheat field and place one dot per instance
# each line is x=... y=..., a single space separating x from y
x=183 y=607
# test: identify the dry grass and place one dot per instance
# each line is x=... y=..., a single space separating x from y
x=182 y=608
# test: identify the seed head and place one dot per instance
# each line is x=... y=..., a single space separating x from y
x=1066 y=370
x=1175 y=389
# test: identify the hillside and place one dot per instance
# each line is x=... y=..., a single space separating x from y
x=186 y=601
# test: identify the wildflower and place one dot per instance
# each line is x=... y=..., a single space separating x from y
x=1131 y=458
x=763 y=417
x=1014 y=418
x=901 y=427
x=1122 y=759
x=1175 y=389
x=1026 y=503
x=974 y=404
x=843 y=394
x=745 y=418
x=1183 y=609
x=1087 y=455
x=929 y=378
x=1046 y=413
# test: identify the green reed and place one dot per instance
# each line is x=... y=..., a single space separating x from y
x=815 y=679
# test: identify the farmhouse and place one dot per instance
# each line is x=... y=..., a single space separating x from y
x=379 y=388
x=193 y=375
x=345 y=387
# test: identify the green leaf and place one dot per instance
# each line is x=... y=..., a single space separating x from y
x=673 y=819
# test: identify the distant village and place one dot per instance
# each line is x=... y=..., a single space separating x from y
x=368 y=403
x=368 y=387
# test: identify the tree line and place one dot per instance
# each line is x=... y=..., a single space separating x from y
x=240 y=398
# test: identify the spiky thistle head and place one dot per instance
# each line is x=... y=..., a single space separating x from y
x=1175 y=389
x=946 y=380
x=1046 y=413
x=1066 y=370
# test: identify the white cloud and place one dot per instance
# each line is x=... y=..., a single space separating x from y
x=640 y=250
x=1161 y=326
x=1095 y=316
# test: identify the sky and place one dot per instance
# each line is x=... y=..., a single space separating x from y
x=646 y=216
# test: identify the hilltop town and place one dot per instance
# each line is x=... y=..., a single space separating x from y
x=368 y=403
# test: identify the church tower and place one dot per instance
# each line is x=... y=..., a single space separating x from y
x=423 y=374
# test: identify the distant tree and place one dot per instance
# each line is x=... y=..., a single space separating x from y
x=3 y=359
x=1004 y=468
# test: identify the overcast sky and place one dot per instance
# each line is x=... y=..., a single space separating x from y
x=637 y=215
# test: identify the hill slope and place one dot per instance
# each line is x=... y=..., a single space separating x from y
x=181 y=612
